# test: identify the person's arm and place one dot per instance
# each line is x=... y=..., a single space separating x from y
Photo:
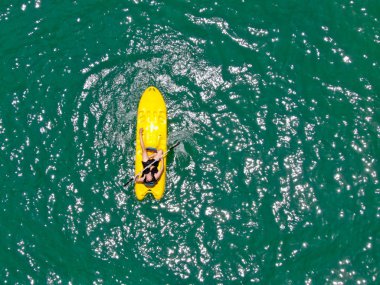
x=161 y=170
x=143 y=150
x=140 y=179
x=141 y=131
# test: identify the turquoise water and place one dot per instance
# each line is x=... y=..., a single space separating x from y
x=276 y=105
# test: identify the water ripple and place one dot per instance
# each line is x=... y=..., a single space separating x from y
x=277 y=168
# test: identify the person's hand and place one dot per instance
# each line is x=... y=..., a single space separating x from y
x=141 y=131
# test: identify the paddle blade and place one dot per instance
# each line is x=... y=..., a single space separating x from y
x=129 y=181
x=174 y=145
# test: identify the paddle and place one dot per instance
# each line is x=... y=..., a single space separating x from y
x=134 y=177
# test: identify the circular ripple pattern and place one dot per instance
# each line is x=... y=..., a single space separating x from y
x=275 y=180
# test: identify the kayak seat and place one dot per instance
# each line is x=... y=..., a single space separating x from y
x=149 y=184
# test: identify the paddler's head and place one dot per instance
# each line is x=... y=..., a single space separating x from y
x=149 y=177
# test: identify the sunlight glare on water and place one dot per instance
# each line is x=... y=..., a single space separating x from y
x=276 y=176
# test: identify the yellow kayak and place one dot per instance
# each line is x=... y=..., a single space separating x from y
x=151 y=115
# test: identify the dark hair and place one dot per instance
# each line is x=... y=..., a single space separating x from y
x=154 y=180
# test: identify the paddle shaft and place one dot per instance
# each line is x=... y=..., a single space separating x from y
x=148 y=166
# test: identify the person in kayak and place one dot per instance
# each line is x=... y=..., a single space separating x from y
x=152 y=174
